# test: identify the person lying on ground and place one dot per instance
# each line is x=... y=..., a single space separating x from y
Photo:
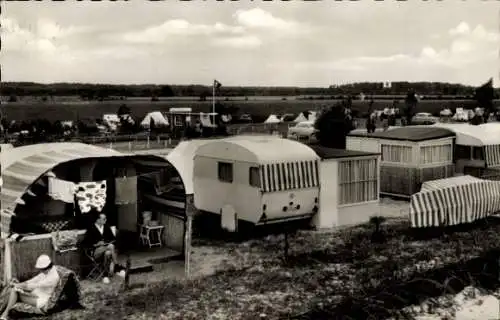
x=35 y=291
x=101 y=239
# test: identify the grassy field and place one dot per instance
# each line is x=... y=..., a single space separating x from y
x=328 y=275
x=261 y=107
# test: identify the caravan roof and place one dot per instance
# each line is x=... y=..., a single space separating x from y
x=257 y=149
x=470 y=135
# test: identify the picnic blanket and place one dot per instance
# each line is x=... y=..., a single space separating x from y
x=66 y=294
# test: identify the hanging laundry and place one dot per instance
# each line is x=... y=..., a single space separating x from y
x=61 y=190
x=126 y=190
x=91 y=195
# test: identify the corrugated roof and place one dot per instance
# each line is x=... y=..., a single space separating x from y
x=330 y=153
x=411 y=133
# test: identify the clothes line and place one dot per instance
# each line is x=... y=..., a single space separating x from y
x=51 y=175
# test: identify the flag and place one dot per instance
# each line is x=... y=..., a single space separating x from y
x=217 y=84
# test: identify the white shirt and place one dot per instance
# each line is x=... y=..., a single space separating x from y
x=100 y=228
x=43 y=286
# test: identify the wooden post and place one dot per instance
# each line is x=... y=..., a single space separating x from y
x=187 y=247
x=147 y=143
x=287 y=246
x=126 y=281
x=130 y=146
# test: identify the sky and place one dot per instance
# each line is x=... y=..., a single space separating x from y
x=250 y=43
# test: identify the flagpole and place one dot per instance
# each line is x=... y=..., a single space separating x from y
x=213 y=101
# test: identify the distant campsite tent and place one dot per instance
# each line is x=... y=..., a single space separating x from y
x=312 y=116
x=300 y=118
x=157 y=118
x=272 y=119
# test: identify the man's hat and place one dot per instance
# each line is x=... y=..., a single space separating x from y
x=43 y=262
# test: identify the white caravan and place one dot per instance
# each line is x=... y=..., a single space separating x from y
x=256 y=179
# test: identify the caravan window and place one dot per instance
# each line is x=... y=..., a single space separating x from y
x=254 y=177
x=477 y=153
x=225 y=172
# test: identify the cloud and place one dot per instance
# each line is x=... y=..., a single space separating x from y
x=18 y=39
x=243 y=42
x=179 y=27
x=471 y=55
x=51 y=30
x=462 y=28
x=258 y=18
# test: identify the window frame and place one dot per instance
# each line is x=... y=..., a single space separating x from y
x=220 y=165
x=256 y=173
x=360 y=184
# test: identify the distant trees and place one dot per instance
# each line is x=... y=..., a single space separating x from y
x=484 y=96
x=166 y=91
x=123 y=110
x=103 y=91
x=411 y=102
x=334 y=124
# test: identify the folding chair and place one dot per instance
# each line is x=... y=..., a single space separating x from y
x=97 y=267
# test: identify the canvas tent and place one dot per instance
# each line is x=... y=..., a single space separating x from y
x=485 y=136
x=25 y=168
x=300 y=118
x=182 y=157
x=272 y=119
x=454 y=201
x=157 y=118
x=312 y=116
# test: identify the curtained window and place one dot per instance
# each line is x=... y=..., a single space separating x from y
x=254 y=177
x=395 y=153
x=358 y=181
x=225 y=170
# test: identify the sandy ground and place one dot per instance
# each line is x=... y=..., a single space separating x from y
x=207 y=260
x=469 y=304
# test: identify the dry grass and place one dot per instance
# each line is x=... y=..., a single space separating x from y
x=327 y=271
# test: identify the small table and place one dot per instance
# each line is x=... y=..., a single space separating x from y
x=151 y=235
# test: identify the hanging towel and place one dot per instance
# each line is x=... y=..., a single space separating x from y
x=61 y=190
x=91 y=195
x=126 y=190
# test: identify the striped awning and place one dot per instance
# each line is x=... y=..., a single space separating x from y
x=492 y=155
x=454 y=205
x=448 y=182
x=23 y=166
x=289 y=175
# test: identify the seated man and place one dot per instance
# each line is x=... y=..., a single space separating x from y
x=100 y=238
x=36 y=291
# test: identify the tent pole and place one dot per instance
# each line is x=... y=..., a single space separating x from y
x=213 y=102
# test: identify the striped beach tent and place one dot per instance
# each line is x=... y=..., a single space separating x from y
x=448 y=182
x=24 y=166
x=460 y=201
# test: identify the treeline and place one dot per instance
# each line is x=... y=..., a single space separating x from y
x=106 y=91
